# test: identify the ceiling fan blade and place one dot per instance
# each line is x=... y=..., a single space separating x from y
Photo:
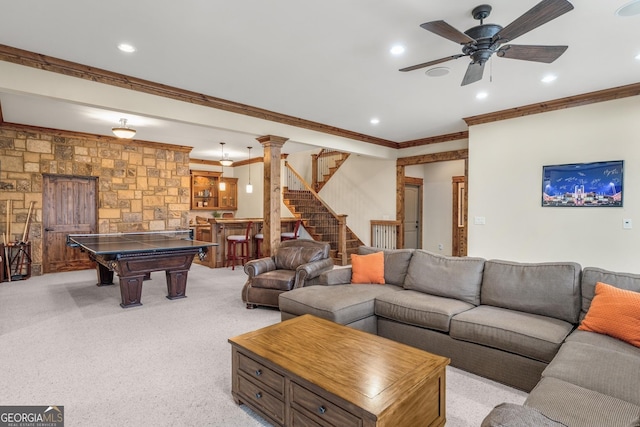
x=546 y=54
x=541 y=13
x=434 y=62
x=445 y=30
x=474 y=73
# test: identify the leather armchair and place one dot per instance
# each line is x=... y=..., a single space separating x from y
x=293 y=263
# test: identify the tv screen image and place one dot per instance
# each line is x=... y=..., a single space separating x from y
x=596 y=184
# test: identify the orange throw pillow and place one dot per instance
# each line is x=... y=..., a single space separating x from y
x=614 y=312
x=367 y=268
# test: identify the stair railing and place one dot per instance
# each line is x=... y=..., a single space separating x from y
x=332 y=225
x=321 y=165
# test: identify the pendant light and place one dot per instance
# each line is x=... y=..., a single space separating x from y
x=222 y=186
x=123 y=131
x=225 y=160
x=249 y=186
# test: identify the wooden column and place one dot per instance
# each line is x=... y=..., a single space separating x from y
x=271 y=227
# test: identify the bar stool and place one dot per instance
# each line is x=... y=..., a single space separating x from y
x=291 y=235
x=259 y=237
x=233 y=241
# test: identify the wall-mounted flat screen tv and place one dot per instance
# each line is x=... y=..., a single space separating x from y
x=597 y=184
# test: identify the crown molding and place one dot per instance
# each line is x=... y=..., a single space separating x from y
x=557 y=104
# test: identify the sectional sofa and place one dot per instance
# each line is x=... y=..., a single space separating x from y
x=511 y=322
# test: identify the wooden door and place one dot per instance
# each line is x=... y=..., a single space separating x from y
x=69 y=207
x=412 y=216
x=459 y=217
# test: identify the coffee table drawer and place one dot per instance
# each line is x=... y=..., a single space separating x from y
x=298 y=419
x=324 y=410
x=262 y=399
x=261 y=373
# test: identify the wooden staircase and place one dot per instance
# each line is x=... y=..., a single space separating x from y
x=322 y=224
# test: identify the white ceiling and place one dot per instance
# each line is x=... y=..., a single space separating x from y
x=324 y=61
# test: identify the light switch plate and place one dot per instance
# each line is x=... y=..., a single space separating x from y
x=627 y=224
x=479 y=220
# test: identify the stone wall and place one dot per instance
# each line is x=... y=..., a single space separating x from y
x=142 y=186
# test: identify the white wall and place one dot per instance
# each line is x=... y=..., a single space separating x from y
x=364 y=189
x=437 y=202
x=505 y=173
x=250 y=205
x=438 y=205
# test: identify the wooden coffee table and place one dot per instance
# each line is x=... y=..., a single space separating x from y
x=308 y=371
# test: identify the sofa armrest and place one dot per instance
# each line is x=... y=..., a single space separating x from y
x=259 y=266
x=336 y=276
x=311 y=270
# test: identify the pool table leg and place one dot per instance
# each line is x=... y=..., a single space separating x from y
x=105 y=275
x=131 y=291
x=176 y=283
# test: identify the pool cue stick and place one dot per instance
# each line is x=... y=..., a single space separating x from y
x=19 y=265
x=26 y=224
x=7 y=267
x=8 y=230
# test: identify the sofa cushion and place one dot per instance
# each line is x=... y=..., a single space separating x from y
x=530 y=335
x=396 y=263
x=513 y=415
x=282 y=280
x=547 y=289
x=450 y=277
x=419 y=309
x=367 y=268
x=342 y=304
x=596 y=368
x=290 y=258
x=614 y=312
x=592 y=275
x=577 y=406
x=603 y=341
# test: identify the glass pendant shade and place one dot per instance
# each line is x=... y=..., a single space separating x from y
x=123 y=131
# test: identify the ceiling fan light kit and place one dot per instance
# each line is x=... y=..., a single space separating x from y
x=629 y=9
x=437 y=71
x=479 y=43
x=123 y=131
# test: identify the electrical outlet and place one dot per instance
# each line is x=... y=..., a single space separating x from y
x=440 y=246
x=479 y=220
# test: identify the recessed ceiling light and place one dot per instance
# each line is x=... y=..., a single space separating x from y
x=437 y=72
x=397 y=50
x=549 y=78
x=124 y=47
x=374 y=121
x=481 y=95
x=630 y=9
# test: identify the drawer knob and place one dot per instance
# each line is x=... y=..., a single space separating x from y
x=258 y=372
x=322 y=410
x=258 y=395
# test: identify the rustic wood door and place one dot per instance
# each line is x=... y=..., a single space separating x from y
x=69 y=207
x=413 y=214
x=459 y=217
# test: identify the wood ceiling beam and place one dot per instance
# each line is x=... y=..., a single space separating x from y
x=73 y=69
x=48 y=63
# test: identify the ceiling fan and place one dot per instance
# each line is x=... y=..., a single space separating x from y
x=482 y=41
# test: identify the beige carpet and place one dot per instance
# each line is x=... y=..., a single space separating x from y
x=64 y=341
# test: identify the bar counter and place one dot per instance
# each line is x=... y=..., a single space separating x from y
x=218 y=229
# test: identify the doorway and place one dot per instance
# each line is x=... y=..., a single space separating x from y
x=401 y=183
x=412 y=223
x=69 y=207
